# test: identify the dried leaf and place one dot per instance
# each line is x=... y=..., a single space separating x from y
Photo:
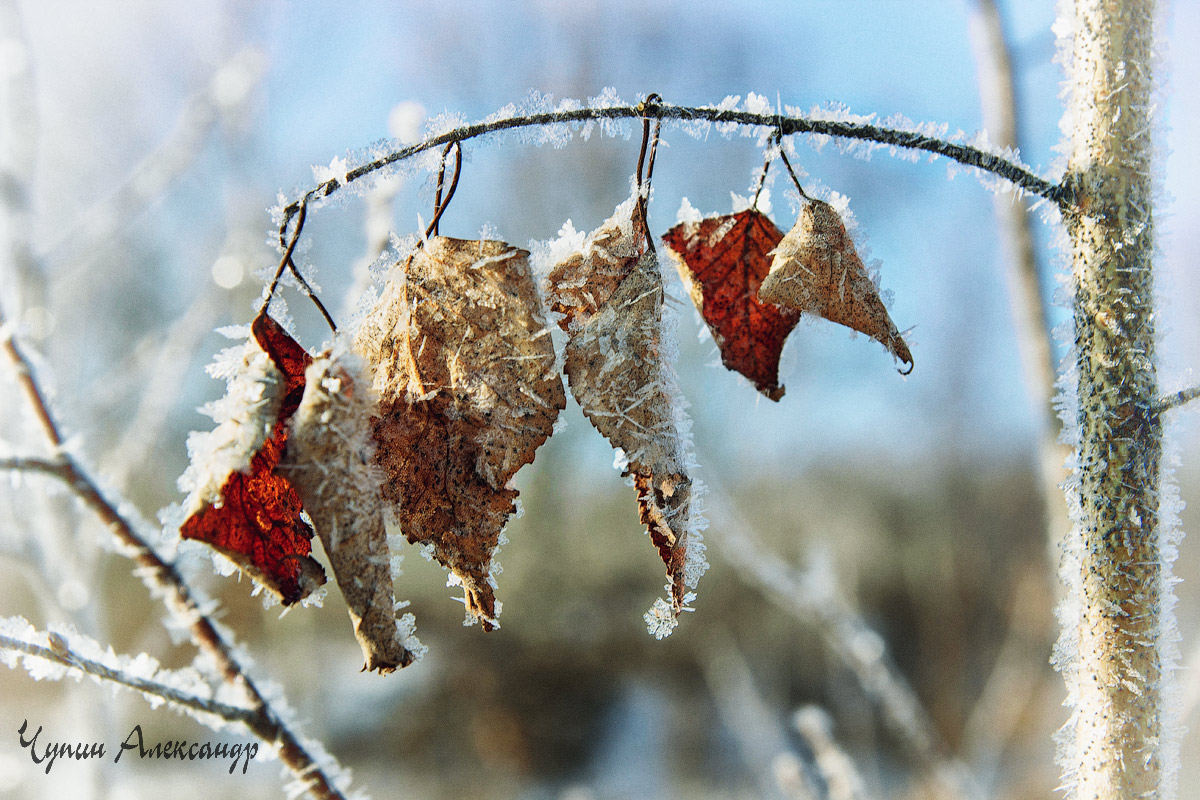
x=330 y=461
x=254 y=518
x=611 y=297
x=817 y=270
x=722 y=261
x=465 y=372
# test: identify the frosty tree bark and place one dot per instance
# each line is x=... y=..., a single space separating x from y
x=1111 y=649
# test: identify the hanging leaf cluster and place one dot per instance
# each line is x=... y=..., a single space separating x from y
x=414 y=425
x=752 y=284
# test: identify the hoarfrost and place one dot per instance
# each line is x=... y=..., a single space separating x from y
x=687 y=213
x=608 y=98
x=245 y=416
x=335 y=171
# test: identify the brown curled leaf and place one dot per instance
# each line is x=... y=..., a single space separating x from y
x=330 y=461
x=610 y=294
x=817 y=271
x=468 y=390
x=722 y=261
x=255 y=518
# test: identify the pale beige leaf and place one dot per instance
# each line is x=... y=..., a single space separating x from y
x=466 y=376
x=330 y=461
x=610 y=294
x=816 y=270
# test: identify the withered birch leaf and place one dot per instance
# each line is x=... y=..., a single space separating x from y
x=468 y=390
x=610 y=294
x=330 y=461
x=722 y=261
x=817 y=270
x=253 y=518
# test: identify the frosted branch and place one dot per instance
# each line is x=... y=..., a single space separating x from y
x=165 y=582
x=60 y=652
x=785 y=125
x=1178 y=399
x=812 y=598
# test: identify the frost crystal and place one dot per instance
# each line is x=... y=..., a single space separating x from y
x=608 y=98
x=245 y=417
x=331 y=462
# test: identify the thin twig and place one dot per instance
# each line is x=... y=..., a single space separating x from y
x=1176 y=400
x=68 y=658
x=164 y=580
x=762 y=175
x=911 y=140
x=792 y=172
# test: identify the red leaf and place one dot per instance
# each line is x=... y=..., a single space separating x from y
x=257 y=522
x=817 y=270
x=723 y=260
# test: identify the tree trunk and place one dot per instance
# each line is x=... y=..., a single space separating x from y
x=1110 y=652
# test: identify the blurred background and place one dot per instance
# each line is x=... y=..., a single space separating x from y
x=875 y=539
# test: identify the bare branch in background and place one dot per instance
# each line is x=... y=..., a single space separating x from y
x=812 y=597
x=836 y=768
x=1019 y=674
x=1029 y=303
x=226 y=91
x=159 y=383
x=755 y=725
x=19 y=136
x=165 y=582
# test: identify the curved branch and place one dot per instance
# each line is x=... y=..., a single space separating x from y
x=964 y=154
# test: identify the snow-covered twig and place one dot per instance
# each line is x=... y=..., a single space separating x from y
x=59 y=651
x=165 y=582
